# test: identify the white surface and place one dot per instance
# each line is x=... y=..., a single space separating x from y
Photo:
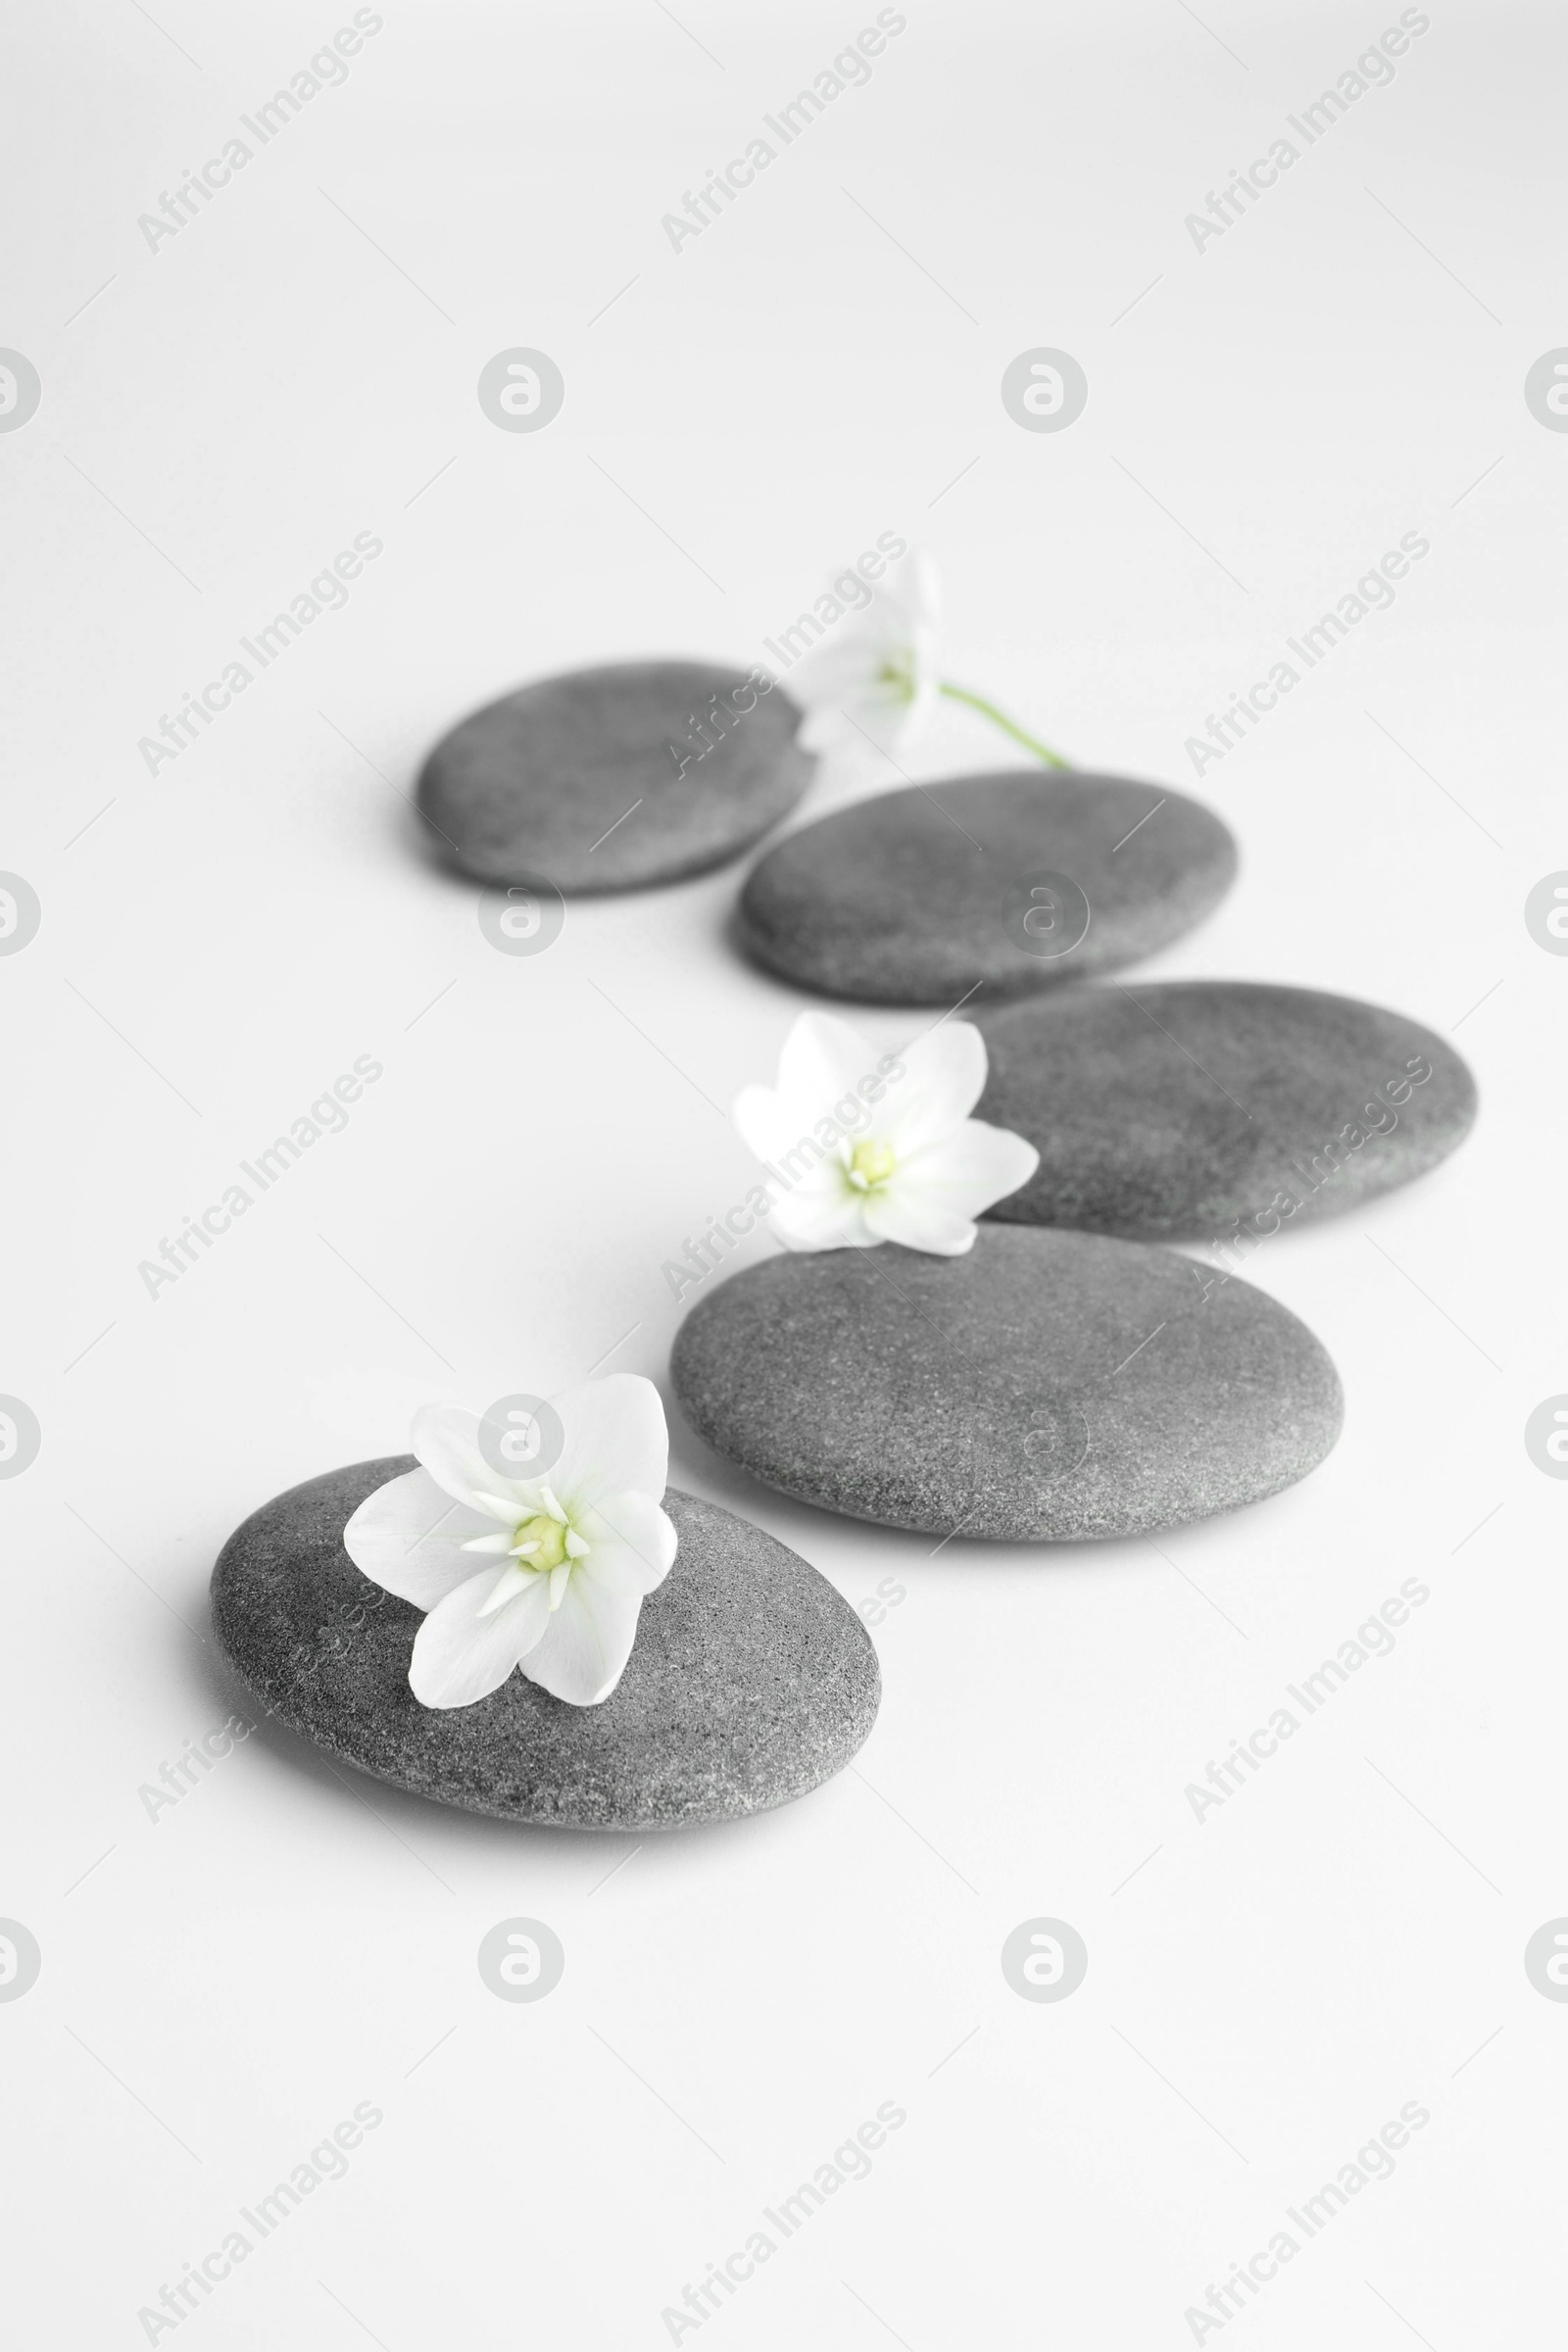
x=1273 y=1984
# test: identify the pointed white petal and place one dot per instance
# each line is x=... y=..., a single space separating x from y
x=631 y=1544
x=408 y=1538
x=446 y=1438
x=509 y=1508
x=822 y=1218
x=967 y=1171
x=511 y=1581
x=500 y=1541
x=821 y=1066
x=943 y=1076
x=587 y=1641
x=616 y=1437
x=459 y=1656
x=919 y=1223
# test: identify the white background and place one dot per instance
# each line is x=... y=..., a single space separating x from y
x=1344 y=366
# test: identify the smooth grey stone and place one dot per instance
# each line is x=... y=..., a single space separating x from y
x=1011 y=882
x=1192 y=1107
x=536 y=787
x=1048 y=1386
x=749 y=1683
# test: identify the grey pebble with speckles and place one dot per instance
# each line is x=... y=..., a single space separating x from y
x=615 y=778
x=1001 y=884
x=1189 y=1107
x=1048 y=1386
x=751 y=1681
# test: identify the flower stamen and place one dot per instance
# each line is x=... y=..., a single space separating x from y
x=871 y=1163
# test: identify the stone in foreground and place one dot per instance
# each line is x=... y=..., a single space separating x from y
x=1049 y=1387
x=751 y=1681
x=1008 y=883
x=537 y=788
x=1195 y=1108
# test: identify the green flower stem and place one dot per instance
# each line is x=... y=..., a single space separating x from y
x=1000 y=718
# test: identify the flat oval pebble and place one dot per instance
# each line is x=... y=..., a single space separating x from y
x=749 y=1683
x=1195 y=1108
x=578 y=781
x=1010 y=882
x=1048 y=1386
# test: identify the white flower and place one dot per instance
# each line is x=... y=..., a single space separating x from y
x=878 y=669
x=912 y=1166
x=565 y=1559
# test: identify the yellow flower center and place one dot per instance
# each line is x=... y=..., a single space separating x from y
x=871 y=1163
x=547 y=1542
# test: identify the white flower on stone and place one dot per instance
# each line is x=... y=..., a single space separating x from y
x=877 y=670
x=542 y=1573
x=866 y=1149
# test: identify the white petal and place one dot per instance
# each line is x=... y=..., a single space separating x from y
x=971 y=1171
x=913 y=590
x=616 y=1439
x=816 y=1217
x=501 y=1541
x=821 y=1066
x=762 y=1119
x=920 y=1222
x=631 y=1542
x=511 y=1581
x=583 y=1651
x=446 y=1438
x=461 y=1656
x=408 y=1538
x=943 y=1076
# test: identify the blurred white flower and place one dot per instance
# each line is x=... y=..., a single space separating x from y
x=568 y=1557
x=878 y=670
x=907 y=1163
x=877 y=675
